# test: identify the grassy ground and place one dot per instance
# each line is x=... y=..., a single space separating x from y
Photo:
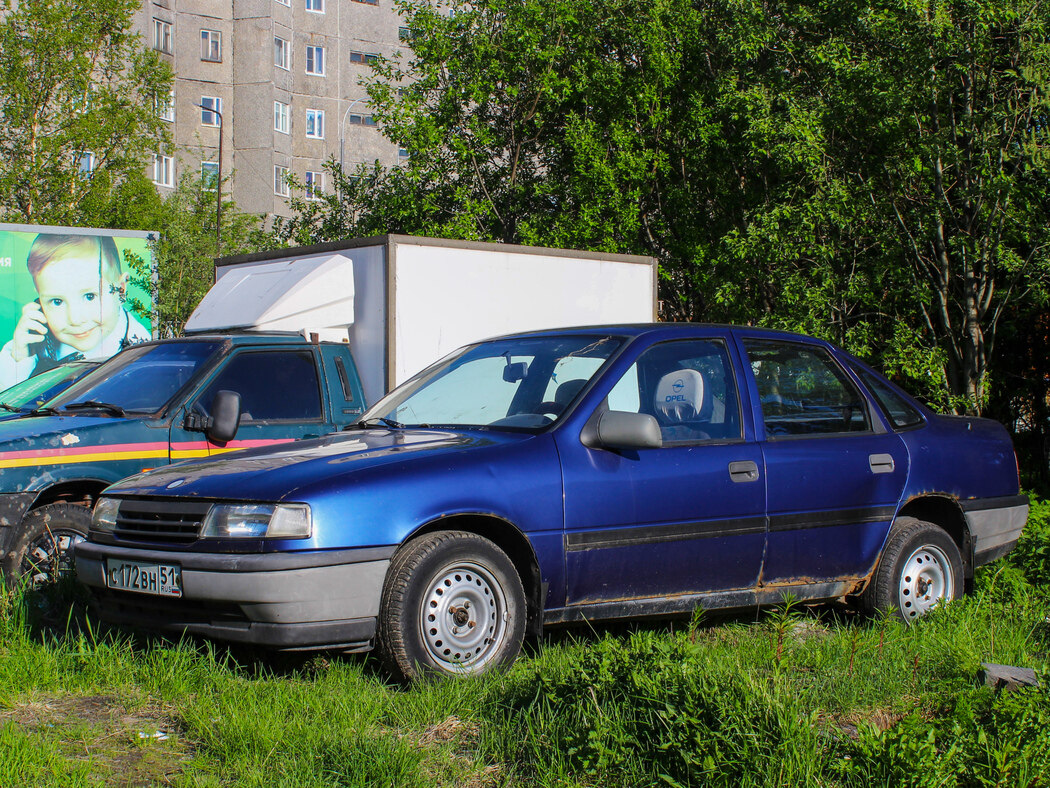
x=790 y=696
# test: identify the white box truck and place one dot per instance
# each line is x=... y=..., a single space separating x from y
x=402 y=302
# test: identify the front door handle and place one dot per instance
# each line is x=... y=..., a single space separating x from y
x=743 y=471
x=880 y=463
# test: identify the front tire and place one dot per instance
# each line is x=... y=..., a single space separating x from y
x=43 y=550
x=920 y=567
x=452 y=605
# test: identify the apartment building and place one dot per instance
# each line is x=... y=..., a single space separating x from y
x=279 y=80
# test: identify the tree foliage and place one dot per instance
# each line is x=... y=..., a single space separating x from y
x=870 y=171
x=185 y=251
x=74 y=79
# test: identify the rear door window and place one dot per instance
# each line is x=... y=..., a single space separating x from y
x=803 y=391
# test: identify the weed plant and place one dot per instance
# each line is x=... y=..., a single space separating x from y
x=792 y=696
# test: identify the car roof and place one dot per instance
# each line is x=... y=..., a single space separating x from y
x=662 y=331
x=242 y=338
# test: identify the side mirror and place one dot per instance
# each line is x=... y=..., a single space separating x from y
x=615 y=429
x=225 y=416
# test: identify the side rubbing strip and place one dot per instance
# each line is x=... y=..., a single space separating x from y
x=715 y=529
x=650 y=534
x=795 y=522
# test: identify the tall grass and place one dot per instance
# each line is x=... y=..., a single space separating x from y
x=795 y=697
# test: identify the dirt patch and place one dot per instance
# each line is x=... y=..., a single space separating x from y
x=125 y=742
x=849 y=724
x=459 y=738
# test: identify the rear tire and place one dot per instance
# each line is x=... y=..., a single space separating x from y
x=43 y=550
x=920 y=567
x=452 y=605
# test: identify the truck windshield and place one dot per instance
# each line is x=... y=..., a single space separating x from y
x=141 y=379
x=521 y=383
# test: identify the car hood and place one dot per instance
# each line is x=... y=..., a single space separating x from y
x=28 y=433
x=274 y=473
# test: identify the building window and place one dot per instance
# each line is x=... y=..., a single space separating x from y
x=315 y=123
x=317 y=6
x=315 y=60
x=211 y=46
x=163 y=170
x=285 y=2
x=360 y=120
x=368 y=2
x=282 y=53
x=209 y=175
x=280 y=180
x=402 y=153
x=280 y=117
x=211 y=109
x=166 y=106
x=404 y=33
x=314 y=185
x=162 y=36
x=364 y=57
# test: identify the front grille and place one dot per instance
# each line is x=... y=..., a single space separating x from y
x=160 y=521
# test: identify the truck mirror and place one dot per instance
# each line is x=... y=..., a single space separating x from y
x=226 y=416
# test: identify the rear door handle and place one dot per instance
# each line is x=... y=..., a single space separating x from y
x=743 y=471
x=880 y=463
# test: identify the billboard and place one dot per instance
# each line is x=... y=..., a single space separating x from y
x=70 y=293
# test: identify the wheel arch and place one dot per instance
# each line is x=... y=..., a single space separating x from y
x=77 y=491
x=945 y=512
x=512 y=541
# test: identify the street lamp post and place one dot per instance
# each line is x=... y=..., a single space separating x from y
x=218 y=186
x=342 y=129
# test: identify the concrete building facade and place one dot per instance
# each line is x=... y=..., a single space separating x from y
x=280 y=79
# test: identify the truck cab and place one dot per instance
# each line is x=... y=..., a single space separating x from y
x=150 y=405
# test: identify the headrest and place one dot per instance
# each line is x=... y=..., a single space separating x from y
x=679 y=395
x=567 y=391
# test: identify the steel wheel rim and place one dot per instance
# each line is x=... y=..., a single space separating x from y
x=463 y=618
x=925 y=580
x=49 y=556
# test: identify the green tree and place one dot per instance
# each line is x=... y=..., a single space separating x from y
x=870 y=171
x=74 y=80
x=185 y=251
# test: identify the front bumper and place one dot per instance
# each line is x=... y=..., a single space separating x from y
x=995 y=525
x=321 y=599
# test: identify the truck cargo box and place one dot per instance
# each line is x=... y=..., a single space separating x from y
x=403 y=301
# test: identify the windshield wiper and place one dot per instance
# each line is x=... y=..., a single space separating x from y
x=94 y=404
x=41 y=412
x=367 y=423
x=11 y=408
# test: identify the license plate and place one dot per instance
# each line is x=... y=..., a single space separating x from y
x=144 y=578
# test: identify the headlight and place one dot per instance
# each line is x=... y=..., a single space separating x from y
x=231 y=521
x=104 y=517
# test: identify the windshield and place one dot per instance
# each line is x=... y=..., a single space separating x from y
x=141 y=379
x=525 y=383
x=37 y=390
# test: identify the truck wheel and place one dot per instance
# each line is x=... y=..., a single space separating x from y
x=920 y=567
x=453 y=604
x=43 y=550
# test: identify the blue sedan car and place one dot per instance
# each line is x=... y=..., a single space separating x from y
x=595 y=473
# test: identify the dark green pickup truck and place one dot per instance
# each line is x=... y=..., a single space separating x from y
x=154 y=404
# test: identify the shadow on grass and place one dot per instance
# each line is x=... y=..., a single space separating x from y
x=60 y=613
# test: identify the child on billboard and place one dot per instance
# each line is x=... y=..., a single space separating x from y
x=79 y=313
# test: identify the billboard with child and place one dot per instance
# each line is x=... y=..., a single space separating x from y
x=70 y=293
